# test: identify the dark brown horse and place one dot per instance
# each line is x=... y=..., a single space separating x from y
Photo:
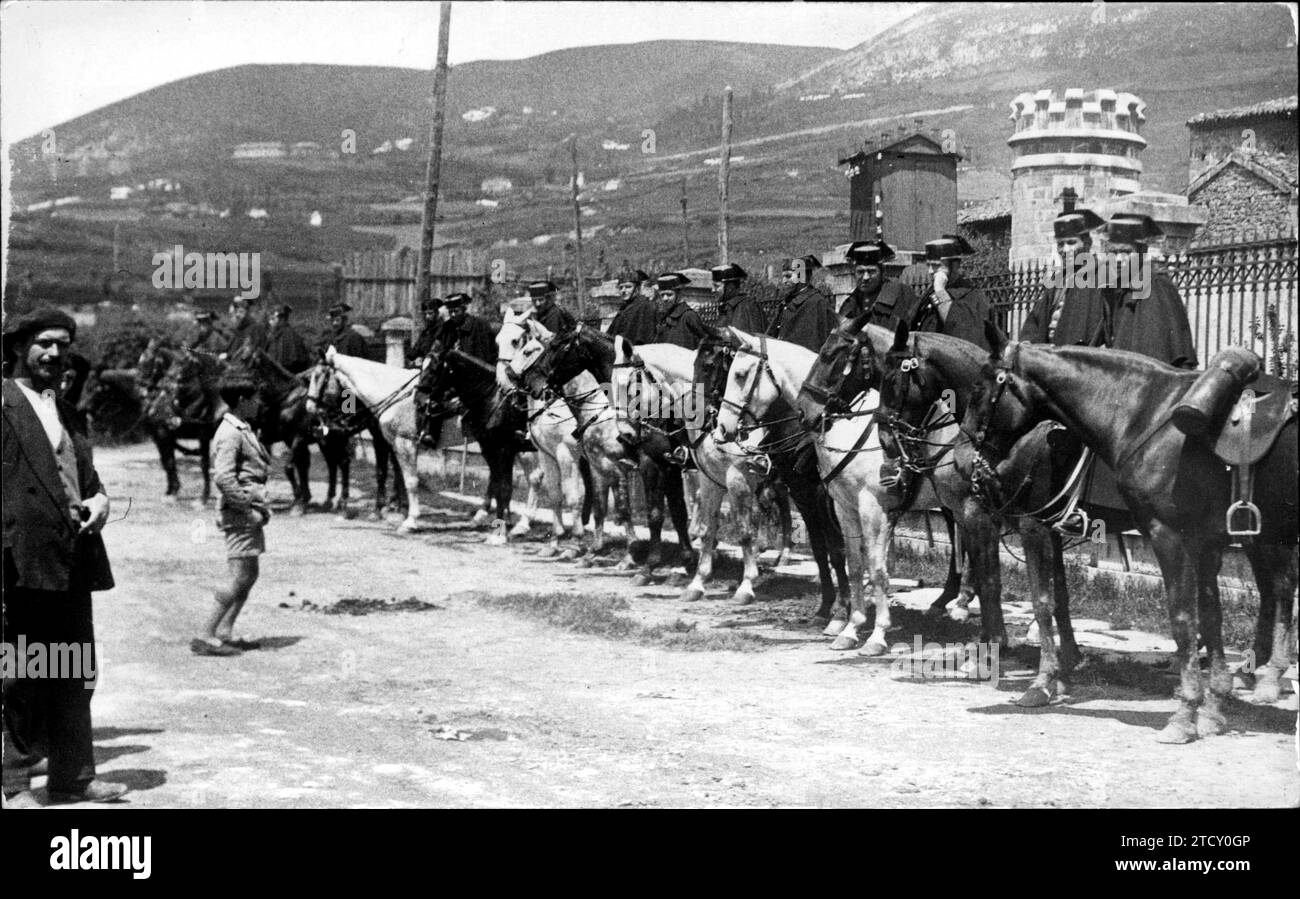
x=176 y=388
x=1120 y=405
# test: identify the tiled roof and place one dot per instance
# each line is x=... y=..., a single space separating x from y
x=988 y=210
x=1280 y=106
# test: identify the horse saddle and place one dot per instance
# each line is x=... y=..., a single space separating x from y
x=1253 y=425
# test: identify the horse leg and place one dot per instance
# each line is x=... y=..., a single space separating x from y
x=548 y=476
x=597 y=494
x=981 y=544
x=1069 y=654
x=674 y=493
x=500 y=486
x=329 y=451
x=1211 y=719
x=781 y=497
x=710 y=503
x=846 y=502
x=300 y=459
x=525 y=522
x=878 y=533
x=205 y=465
x=1179 y=569
x=1274 y=567
x=657 y=479
x=744 y=511
x=814 y=519
x=406 y=452
x=1039 y=566
x=167 y=456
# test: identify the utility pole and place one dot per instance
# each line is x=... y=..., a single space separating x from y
x=116 y=268
x=724 y=173
x=686 y=229
x=433 y=170
x=579 y=280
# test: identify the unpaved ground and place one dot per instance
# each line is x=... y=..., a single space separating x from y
x=466 y=706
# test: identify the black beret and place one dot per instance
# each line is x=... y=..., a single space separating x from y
x=24 y=326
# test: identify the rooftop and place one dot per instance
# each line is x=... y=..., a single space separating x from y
x=1280 y=106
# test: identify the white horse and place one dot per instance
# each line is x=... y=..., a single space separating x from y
x=550 y=424
x=389 y=393
x=669 y=385
x=849 y=453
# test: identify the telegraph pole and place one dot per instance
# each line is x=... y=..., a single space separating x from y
x=433 y=170
x=577 y=234
x=724 y=173
x=686 y=229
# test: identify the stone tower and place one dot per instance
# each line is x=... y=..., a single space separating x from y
x=1090 y=144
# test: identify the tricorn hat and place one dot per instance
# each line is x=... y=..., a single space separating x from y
x=430 y=303
x=810 y=263
x=728 y=272
x=456 y=300
x=205 y=316
x=1129 y=228
x=632 y=276
x=866 y=252
x=339 y=309
x=539 y=289
x=949 y=246
x=1076 y=223
x=671 y=281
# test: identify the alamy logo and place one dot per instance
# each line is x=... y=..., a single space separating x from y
x=634 y=402
x=937 y=661
x=90 y=853
x=178 y=269
x=55 y=661
x=1130 y=271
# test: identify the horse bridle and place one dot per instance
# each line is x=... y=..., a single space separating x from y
x=911 y=440
x=764 y=368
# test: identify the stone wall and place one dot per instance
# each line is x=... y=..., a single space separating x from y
x=1035 y=203
x=1238 y=200
x=1210 y=145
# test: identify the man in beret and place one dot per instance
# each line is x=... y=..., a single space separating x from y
x=341 y=336
x=467 y=332
x=678 y=322
x=638 y=319
x=736 y=309
x=951 y=305
x=285 y=345
x=805 y=315
x=54 y=508
x=882 y=297
x=431 y=311
x=1071 y=315
x=206 y=338
x=1149 y=316
x=546 y=311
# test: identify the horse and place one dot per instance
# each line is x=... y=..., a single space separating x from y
x=335 y=424
x=490 y=419
x=1120 y=405
x=560 y=474
x=782 y=446
x=284 y=419
x=176 y=388
x=388 y=393
x=767 y=372
x=925 y=389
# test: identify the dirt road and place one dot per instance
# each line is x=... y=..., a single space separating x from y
x=474 y=705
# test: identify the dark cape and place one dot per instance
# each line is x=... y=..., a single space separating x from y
x=424 y=341
x=214 y=342
x=637 y=321
x=805 y=317
x=286 y=346
x=737 y=309
x=555 y=319
x=681 y=325
x=249 y=339
x=347 y=342
x=473 y=335
x=883 y=297
x=967 y=315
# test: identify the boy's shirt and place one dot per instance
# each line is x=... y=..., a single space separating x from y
x=240 y=466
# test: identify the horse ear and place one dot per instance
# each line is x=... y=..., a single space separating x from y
x=995 y=337
x=900 y=336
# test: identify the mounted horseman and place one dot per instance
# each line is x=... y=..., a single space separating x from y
x=638 y=318
x=207 y=338
x=342 y=336
x=430 y=310
x=884 y=298
x=546 y=311
x=805 y=315
x=951 y=304
x=736 y=308
x=285 y=345
x=247 y=334
x=678 y=324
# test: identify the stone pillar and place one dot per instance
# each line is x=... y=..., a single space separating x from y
x=396 y=332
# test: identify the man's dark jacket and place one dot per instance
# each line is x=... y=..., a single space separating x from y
x=252 y=335
x=286 y=346
x=737 y=309
x=638 y=321
x=348 y=342
x=41 y=545
x=682 y=326
x=805 y=316
x=884 y=297
x=555 y=319
x=472 y=335
x=969 y=310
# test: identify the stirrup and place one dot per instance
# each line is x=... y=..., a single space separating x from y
x=760 y=465
x=1252 y=522
x=680 y=456
x=1074 y=524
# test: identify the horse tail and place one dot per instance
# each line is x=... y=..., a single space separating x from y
x=584 y=469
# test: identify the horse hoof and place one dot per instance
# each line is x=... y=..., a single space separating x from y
x=1177 y=732
x=521 y=529
x=1034 y=698
x=407 y=527
x=691 y=594
x=171 y=498
x=874 y=649
x=640 y=579
x=959 y=613
x=586 y=562
x=375 y=515
x=677 y=578
x=548 y=552
x=742 y=597
x=819 y=621
x=479 y=517
x=1210 y=724
x=834 y=626
x=1267 y=692
x=843 y=643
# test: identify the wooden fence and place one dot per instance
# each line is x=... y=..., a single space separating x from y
x=380 y=285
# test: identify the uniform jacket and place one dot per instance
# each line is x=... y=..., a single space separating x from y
x=805 y=317
x=424 y=342
x=681 y=325
x=286 y=346
x=252 y=335
x=348 y=342
x=739 y=310
x=555 y=319
x=638 y=321
x=214 y=342
x=969 y=311
x=239 y=466
x=885 y=297
x=41 y=545
x=473 y=336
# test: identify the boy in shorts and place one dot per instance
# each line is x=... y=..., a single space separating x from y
x=239 y=465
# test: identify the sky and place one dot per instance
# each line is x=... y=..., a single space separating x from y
x=59 y=60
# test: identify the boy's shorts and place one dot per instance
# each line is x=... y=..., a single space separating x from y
x=244 y=539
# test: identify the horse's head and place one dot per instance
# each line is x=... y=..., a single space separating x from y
x=559 y=362
x=154 y=360
x=324 y=391
x=1004 y=407
x=750 y=389
x=519 y=342
x=845 y=367
x=712 y=362
x=911 y=391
